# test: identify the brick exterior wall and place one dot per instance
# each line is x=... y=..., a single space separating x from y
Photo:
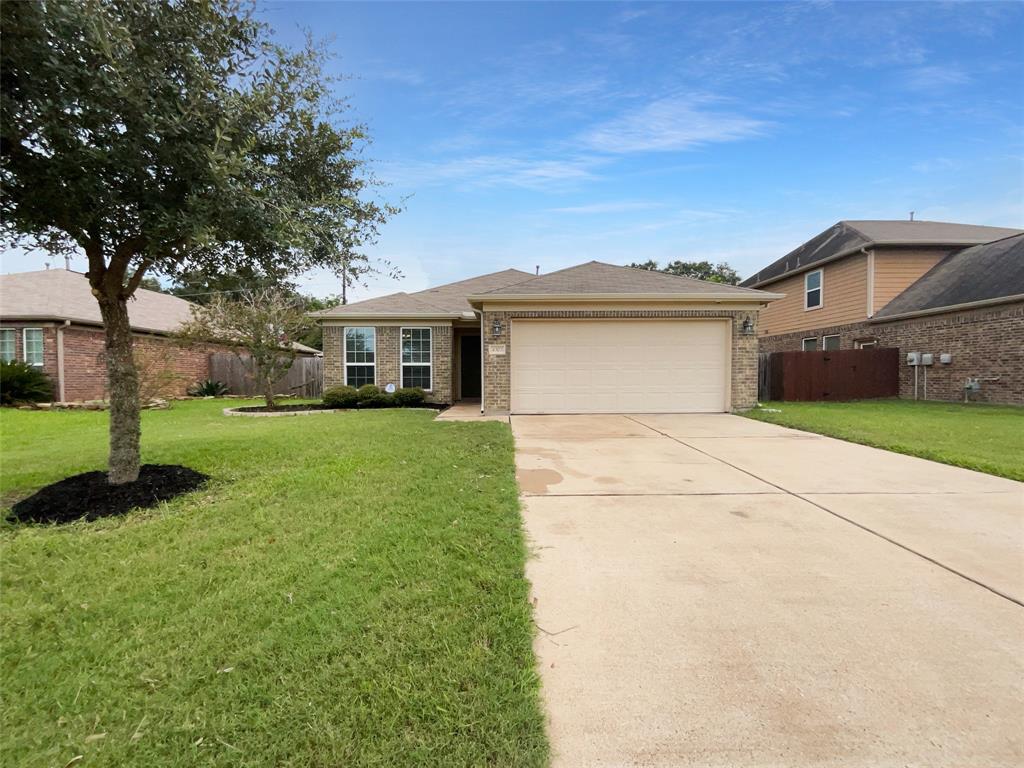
x=497 y=368
x=387 y=355
x=985 y=343
x=165 y=368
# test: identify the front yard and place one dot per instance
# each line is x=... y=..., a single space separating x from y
x=987 y=438
x=348 y=590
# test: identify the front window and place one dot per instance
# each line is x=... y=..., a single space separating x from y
x=33 y=346
x=812 y=290
x=8 y=340
x=869 y=344
x=360 y=356
x=830 y=343
x=810 y=344
x=416 y=358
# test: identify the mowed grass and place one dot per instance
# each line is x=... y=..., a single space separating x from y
x=347 y=591
x=987 y=438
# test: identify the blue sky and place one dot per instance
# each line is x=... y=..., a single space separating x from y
x=549 y=134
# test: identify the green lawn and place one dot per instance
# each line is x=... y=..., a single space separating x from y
x=348 y=590
x=988 y=438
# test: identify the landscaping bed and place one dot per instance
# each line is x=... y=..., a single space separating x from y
x=986 y=438
x=343 y=592
x=89 y=496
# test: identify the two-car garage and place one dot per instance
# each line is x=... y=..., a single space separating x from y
x=619 y=365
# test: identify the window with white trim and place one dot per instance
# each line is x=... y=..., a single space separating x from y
x=866 y=344
x=830 y=343
x=810 y=344
x=812 y=290
x=32 y=345
x=360 y=356
x=417 y=368
x=8 y=344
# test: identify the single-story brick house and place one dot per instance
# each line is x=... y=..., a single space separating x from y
x=50 y=319
x=930 y=287
x=594 y=338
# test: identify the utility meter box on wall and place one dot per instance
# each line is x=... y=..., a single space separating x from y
x=913 y=358
x=945 y=358
x=927 y=358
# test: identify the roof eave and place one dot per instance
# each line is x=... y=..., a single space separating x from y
x=948 y=308
x=78 y=321
x=393 y=316
x=761 y=296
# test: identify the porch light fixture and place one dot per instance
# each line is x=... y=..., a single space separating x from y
x=496 y=327
x=747 y=329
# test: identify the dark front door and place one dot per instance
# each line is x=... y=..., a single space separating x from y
x=469 y=364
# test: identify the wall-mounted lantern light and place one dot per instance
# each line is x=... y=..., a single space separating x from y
x=496 y=327
x=747 y=329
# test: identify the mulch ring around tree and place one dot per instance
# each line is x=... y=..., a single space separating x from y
x=89 y=497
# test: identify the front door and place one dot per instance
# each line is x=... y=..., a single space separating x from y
x=469 y=367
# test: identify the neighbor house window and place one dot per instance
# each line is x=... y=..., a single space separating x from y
x=8 y=341
x=868 y=344
x=32 y=343
x=360 y=356
x=416 y=367
x=830 y=343
x=812 y=289
x=810 y=344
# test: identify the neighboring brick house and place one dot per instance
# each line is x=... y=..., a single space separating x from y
x=588 y=339
x=920 y=286
x=51 y=319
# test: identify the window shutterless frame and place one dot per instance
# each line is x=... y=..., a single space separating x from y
x=814 y=292
x=809 y=344
x=826 y=340
x=416 y=357
x=360 y=349
x=8 y=344
x=32 y=346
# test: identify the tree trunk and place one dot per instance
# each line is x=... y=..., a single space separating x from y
x=268 y=391
x=123 y=382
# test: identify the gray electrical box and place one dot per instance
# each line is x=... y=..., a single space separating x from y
x=913 y=358
x=945 y=358
x=972 y=385
x=927 y=358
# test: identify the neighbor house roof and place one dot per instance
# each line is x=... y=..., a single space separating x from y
x=597 y=280
x=984 y=274
x=58 y=294
x=444 y=301
x=847 y=237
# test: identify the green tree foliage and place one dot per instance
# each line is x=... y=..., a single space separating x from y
x=700 y=270
x=167 y=137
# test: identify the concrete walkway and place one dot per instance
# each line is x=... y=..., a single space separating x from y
x=716 y=591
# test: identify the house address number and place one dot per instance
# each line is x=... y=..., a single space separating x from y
x=496 y=349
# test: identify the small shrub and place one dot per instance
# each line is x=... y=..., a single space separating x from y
x=341 y=397
x=370 y=396
x=23 y=383
x=410 y=397
x=208 y=388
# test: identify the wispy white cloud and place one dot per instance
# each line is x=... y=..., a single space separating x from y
x=934 y=165
x=494 y=171
x=936 y=77
x=672 y=125
x=611 y=207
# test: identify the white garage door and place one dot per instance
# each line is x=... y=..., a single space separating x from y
x=619 y=366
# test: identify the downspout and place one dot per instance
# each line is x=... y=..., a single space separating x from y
x=482 y=362
x=871 y=279
x=60 y=360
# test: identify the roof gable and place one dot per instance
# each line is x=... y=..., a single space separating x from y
x=598 y=278
x=982 y=273
x=847 y=237
x=58 y=294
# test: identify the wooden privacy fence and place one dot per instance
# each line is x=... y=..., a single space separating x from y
x=305 y=378
x=846 y=374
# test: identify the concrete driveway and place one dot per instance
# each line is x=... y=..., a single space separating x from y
x=716 y=591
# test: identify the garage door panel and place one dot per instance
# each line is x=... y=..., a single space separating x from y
x=619 y=366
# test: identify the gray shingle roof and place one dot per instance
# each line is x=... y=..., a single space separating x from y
x=449 y=299
x=57 y=294
x=847 y=237
x=981 y=273
x=598 y=278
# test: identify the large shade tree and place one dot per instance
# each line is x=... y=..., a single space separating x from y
x=166 y=137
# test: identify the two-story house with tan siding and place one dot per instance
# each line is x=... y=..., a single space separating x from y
x=839 y=288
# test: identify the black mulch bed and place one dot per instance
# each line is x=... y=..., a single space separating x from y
x=89 y=497
x=321 y=407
